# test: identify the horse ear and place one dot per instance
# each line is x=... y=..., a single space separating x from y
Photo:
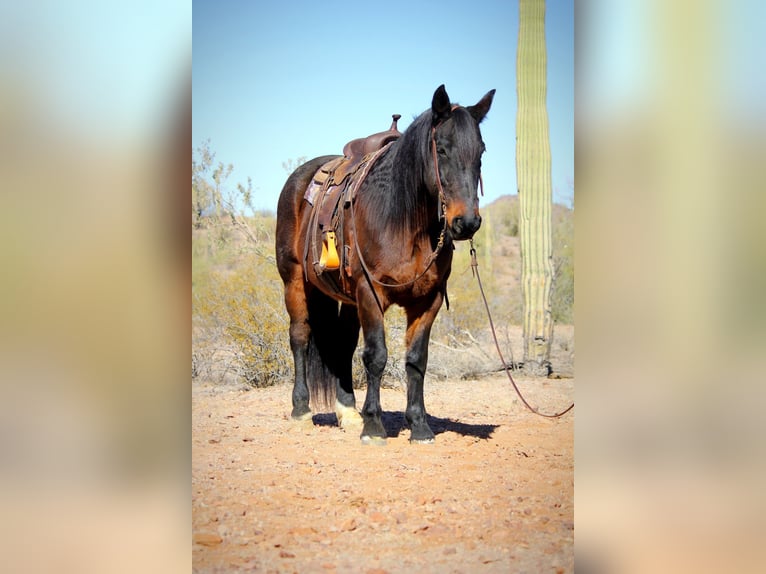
x=482 y=107
x=441 y=108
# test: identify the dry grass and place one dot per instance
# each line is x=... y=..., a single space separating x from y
x=240 y=325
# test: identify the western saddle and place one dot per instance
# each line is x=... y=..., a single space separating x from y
x=340 y=179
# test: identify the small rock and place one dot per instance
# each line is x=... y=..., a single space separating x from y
x=207 y=539
x=301 y=531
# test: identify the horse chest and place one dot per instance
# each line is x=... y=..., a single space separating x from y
x=424 y=287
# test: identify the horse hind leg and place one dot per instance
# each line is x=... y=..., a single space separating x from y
x=375 y=356
x=348 y=337
x=348 y=416
x=300 y=333
x=314 y=323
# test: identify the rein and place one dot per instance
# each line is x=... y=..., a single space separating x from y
x=475 y=271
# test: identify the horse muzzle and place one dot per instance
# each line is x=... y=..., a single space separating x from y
x=464 y=226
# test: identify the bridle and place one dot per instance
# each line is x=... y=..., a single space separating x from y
x=442 y=199
x=434 y=155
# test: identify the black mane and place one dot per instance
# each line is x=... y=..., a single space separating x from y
x=405 y=202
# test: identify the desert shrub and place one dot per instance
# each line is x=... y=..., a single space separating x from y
x=466 y=313
x=562 y=295
x=505 y=211
x=241 y=314
x=239 y=325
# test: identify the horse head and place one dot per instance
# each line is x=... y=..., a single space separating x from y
x=456 y=149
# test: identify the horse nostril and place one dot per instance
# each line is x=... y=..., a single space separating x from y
x=463 y=227
x=457 y=225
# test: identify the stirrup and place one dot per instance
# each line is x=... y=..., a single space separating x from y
x=329 y=258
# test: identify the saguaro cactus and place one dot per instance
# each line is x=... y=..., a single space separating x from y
x=533 y=175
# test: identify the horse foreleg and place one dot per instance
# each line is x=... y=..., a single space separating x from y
x=419 y=322
x=374 y=357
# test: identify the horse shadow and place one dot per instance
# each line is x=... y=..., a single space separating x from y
x=395 y=423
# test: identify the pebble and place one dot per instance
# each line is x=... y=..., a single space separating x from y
x=207 y=539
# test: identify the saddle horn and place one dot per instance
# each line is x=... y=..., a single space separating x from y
x=360 y=147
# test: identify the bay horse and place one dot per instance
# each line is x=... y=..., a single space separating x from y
x=418 y=198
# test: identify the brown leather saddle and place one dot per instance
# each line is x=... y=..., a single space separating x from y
x=330 y=193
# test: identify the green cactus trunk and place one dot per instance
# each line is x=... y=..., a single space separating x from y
x=533 y=173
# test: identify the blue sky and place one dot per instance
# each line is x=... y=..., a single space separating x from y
x=276 y=80
x=113 y=71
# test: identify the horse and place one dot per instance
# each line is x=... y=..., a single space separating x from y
x=397 y=239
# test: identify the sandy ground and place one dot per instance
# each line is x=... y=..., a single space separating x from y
x=493 y=494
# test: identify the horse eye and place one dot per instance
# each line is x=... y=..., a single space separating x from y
x=441 y=151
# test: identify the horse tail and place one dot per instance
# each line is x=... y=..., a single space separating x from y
x=322 y=359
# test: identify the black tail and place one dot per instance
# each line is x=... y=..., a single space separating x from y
x=334 y=336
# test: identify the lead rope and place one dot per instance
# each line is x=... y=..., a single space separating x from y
x=475 y=271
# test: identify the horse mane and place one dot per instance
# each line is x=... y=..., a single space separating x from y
x=407 y=204
x=468 y=134
x=403 y=204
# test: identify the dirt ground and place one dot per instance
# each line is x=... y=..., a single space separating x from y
x=493 y=494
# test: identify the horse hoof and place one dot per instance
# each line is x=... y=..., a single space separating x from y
x=422 y=440
x=348 y=417
x=301 y=417
x=421 y=433
x=376 y=440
